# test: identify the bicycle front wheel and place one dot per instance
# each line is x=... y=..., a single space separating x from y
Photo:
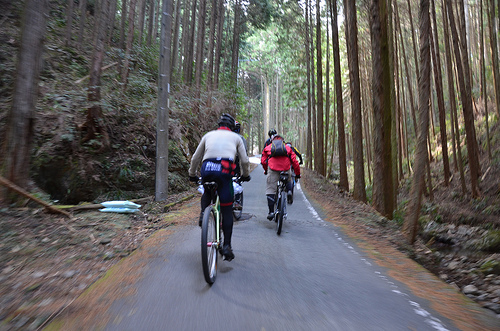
x=281 y=211
x=209 y=245
x=238 y=205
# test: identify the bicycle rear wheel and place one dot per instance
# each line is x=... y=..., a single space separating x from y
x=238 y=205
x=281 y=211
x=209 y=245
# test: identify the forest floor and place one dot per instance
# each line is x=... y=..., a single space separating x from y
x=47 y=261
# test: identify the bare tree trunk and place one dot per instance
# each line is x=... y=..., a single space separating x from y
x=185 y=38
x=413 y=212
x=484 y=95
x=142 y=16
x=130 y=39
x=327 y=96
x=190 y=45
x=414 y=41
x=309 y=103
x=494 y=51
x=111 y=22
x=357 y=130
x=16 y=150
x=124 y=11
x=95 y=118
x=439 y=90
x=313 y=118
x=320 y=144
x=151 y=17
x=383 y=195
x=161 y=186
x=81 y=29
x=218 y=48
x=69 y=22
x=399 y=97
x=174 y=69
x=343 y=183
x=465 y=94
x=236 y=43
x=408 y=75
x=200 y=46
x=211 y=43
x=453 y=106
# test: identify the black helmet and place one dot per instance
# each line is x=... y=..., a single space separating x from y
x=271 y=132
x=227 y=121
x=237 y=127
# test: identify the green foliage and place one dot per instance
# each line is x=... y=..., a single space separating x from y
x=147 y=60
x=490 y=267
x=432 y=211
x=139 y=86
x=259 y=13
x=398 y=216
x=369 y=193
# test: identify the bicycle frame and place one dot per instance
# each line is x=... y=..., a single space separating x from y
x=280 y=206
x=215 y=203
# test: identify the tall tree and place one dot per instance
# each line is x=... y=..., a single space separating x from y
x=69 y=22
x=141 y=17
x=161 y=186
x=188 y=63
x=407 y=70
x=462 y=63
x=218 y=47
x=411 y=221
x=343 y=183
x=308 y=96
x=151 y=17
x=81 y=29
x=211 y=44
x=319 y=163
x=175 y=39
x=453 y=106
x=484 y=95
x=494 y=51
x=357 y=130
x=383 y=194
x=123 y=11
x=16 y=150
x=111 y=21
x=200 y=46
x=438 y=80
x=236 y=42
x=95 y=118
x=130 y=39
x=327 y=92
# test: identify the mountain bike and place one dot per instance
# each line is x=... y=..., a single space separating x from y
x=238 y=199
x=211 y=234
x=280 y=204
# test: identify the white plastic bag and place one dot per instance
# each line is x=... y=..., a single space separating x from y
x=124 y=207
x=120 y=204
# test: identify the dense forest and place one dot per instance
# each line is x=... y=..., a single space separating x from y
x=392 y=100
x=395 y=105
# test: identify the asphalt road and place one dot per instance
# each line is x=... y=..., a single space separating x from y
x=309 y=278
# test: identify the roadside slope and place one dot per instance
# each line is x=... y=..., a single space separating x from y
x=383 y=242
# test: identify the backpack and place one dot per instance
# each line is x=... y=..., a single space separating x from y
x=278 y=148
